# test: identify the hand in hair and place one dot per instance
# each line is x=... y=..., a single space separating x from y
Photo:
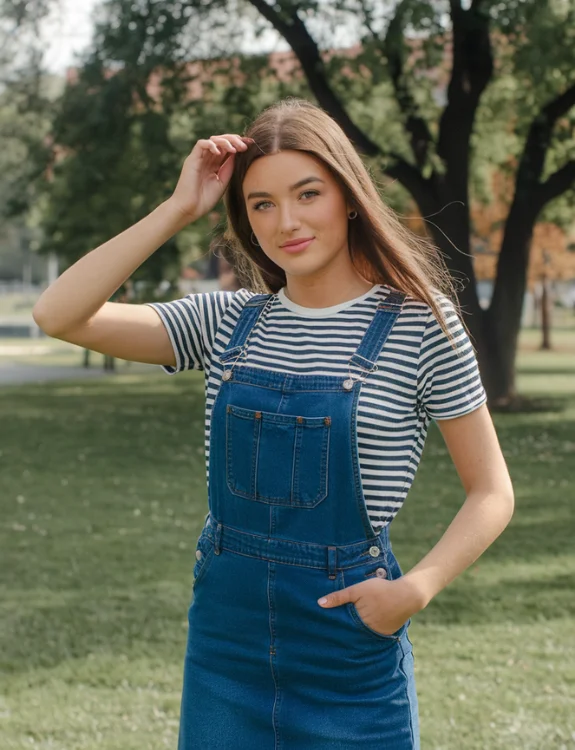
x=206 y=173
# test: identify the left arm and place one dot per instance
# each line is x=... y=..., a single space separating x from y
x=474 y=447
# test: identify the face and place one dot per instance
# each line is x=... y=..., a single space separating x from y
x=291 y=196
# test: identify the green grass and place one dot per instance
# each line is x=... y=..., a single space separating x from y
x=102 y=495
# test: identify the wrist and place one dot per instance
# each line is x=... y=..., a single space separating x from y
x=180 y=217
x=419 y=594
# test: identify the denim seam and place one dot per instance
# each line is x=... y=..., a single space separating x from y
x=360 y=497
x=207 y=558
x=256 y=455
x=292 y=564
x=294 y=485
x=272 y=657
x=406 y=680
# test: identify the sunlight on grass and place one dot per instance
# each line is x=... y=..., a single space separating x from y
x=103 y=494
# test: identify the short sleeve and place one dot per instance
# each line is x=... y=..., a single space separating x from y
x=192 y=323
x=449 y=383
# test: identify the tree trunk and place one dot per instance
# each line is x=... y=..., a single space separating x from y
x=494 y=332
x=545 y=314
x=109 y=363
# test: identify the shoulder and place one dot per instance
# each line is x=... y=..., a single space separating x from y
x=212 y=306
x=234 y=302
x=441 y=319
x=416 y=315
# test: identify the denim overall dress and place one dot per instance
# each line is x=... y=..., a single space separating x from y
x=266 y=667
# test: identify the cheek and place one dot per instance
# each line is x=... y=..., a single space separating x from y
x=328 y=217
x=333 y=224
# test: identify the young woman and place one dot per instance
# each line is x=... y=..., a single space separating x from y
x=323 y=373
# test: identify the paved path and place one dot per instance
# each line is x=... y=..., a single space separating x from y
x=17 y=374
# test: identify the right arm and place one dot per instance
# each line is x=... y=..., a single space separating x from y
x=75 y=307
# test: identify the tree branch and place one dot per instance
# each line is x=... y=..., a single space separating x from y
x=559 y=106
x=409 y=176
x=531 y=195
x=394 y=50
x=472 y=69
x=555 y=185
x=539 y=139
x=294 y=31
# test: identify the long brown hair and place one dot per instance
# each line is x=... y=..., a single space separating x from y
x=382 y=249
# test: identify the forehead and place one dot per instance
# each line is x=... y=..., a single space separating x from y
x=276 y=172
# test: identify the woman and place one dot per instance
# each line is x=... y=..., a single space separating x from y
x=322 y=376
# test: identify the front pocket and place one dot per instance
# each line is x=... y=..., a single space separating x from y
x=360 y=573
x=278 y=459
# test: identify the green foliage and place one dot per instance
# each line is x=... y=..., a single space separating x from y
x=124 y=145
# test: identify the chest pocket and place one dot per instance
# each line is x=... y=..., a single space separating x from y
x=277 y=459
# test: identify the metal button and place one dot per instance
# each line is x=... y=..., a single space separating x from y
x=381 y=573
x=374 y=551
x=227 y=375
x=199 y=554
x=348 y=384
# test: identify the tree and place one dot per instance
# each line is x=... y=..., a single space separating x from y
x=533 y=42
x=460 y=74
x=27 y=96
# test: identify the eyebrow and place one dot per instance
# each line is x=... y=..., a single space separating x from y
x=305 y=181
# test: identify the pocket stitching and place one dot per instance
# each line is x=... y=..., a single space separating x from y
x=205 y=563
x=240 y=413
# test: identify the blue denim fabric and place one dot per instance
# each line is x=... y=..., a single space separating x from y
x=267 y=668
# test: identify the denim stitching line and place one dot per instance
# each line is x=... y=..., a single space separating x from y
x=208 y=556
x=325 y=461
x=302 y=545
x=406 y=680
x=279 y=561
x=272 y=653
x=257 y=428
x=294 y=486
x=360 y=497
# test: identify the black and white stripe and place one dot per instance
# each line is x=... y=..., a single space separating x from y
x=420 y=375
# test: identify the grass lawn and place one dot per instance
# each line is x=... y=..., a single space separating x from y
x=102 y=495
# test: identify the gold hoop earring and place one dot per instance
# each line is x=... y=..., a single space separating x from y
x=256 y=243
x=350 y=216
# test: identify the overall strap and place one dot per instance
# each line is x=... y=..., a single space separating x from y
x=249 y=315
x=369 y=349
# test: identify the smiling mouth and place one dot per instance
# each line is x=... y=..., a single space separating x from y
x=296 y=247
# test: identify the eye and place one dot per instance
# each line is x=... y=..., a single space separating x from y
x=311 y=193
x=257 y=205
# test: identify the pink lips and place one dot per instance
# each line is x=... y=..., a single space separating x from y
x=297 y=247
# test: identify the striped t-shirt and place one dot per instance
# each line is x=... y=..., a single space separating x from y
x=420 y=375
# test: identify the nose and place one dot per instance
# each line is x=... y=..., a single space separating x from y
x=288 y=220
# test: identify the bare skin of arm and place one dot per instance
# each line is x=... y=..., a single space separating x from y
x=75 y=308
x=474 y=447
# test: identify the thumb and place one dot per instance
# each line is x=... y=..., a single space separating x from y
x=337 y=598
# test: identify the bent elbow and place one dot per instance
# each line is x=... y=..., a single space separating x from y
x=43 y=321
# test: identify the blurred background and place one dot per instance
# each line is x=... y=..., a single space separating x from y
x=465 y=114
